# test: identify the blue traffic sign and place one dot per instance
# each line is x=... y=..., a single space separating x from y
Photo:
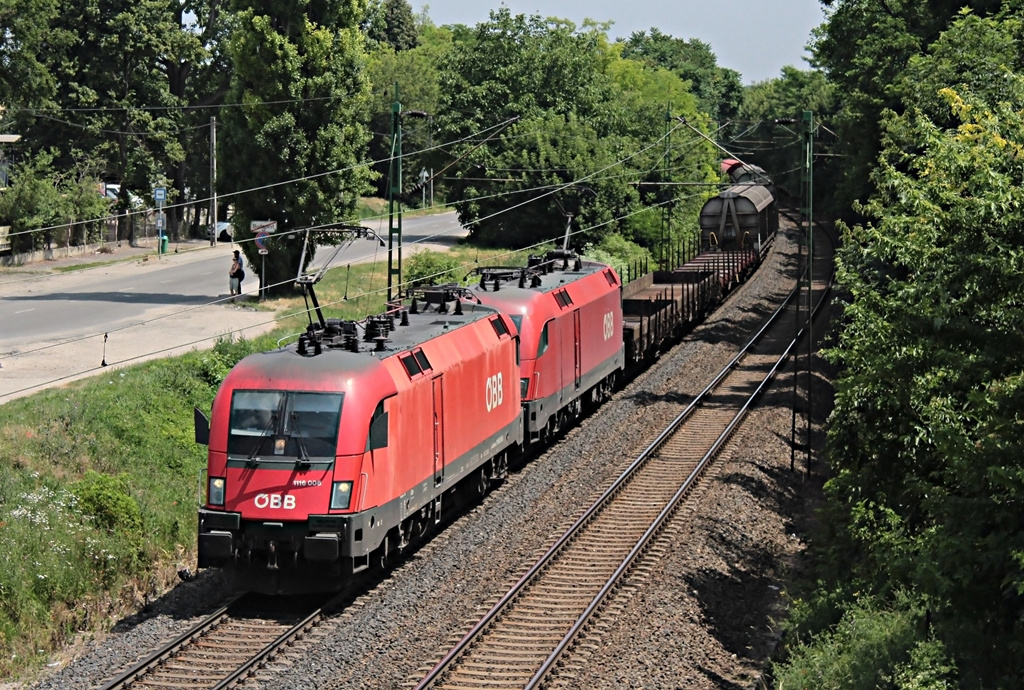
x=261 y=239
x=160 y=194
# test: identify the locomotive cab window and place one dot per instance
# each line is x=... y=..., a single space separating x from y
x=499 y=326
x=415 y=363
x=378 y=435
x=542 y=345
x=412 y=367
x=284 y=425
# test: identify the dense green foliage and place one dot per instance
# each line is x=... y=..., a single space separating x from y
x=415 y=71
x=924 y=552
x=863 y=48
x=40 y=197
x=304 y=92
x=390 y=23
x=553 y=128
x=768 y=132
x=717 y=89
x=99 y=484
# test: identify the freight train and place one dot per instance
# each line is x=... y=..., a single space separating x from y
x=330 y=456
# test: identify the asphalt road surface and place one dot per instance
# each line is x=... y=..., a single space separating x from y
x=57 y=326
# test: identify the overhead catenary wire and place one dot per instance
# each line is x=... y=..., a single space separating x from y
x=199 y=201
x=230 y=334
x=306 y=311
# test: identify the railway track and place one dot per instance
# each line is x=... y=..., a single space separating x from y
x=227 y=646
x=527 y=634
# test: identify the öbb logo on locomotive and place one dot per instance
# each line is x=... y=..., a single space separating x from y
x=275 y=501
x=385 y=411
x=493 y=393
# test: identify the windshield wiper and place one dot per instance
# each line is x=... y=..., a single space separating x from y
x=252 y=461
x=303 y=462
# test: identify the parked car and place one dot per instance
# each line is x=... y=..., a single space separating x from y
x=223 y=231
x=111 y=191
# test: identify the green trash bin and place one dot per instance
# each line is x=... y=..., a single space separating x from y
x=163 y=244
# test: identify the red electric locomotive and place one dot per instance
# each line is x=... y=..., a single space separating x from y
x=569 y=315
x=329 y=455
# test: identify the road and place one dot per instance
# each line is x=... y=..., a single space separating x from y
x=54 y=324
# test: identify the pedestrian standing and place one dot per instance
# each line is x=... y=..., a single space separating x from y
x=236 y=275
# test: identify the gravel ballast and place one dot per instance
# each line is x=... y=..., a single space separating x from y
x=699 y=613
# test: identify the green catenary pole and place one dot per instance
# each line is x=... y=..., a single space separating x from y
x=395 y=201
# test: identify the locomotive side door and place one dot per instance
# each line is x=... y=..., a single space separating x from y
x=438 y=431
x=577 y=347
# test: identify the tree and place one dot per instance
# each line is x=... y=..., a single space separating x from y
x=391 y=23
x=44 y=207
x=104 y=96
x=25 y=79
x=198 y=72
x=297 y=142
x=863 y=47
x=718 y=89
x=416 y=73
x=924 y=440
x=548 y=126
x=785 y=98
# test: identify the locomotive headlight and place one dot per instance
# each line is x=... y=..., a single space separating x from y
x=524 y=385
x=341 y=495
x=216 y=492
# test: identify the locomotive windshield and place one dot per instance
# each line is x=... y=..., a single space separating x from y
x=288 y=424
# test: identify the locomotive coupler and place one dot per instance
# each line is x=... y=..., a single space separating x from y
x=272 y=556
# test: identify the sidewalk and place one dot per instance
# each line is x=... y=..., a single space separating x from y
x=111 y=252
x=161 y=330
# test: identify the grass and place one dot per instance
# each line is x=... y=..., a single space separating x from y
x=92 y=264
x=99 y=485
x=99 y=481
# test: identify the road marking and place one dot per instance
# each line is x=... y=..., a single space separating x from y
x=24 y=311
x=126 y=289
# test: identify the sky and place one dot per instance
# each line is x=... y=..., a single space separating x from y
x=757 y=38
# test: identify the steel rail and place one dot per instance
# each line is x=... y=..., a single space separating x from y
x=441 y=667
x=670 y=508
x=172 y=647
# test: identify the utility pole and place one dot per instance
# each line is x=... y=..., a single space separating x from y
x=666 y=211
x=394 y=200
x=808 y=216
x=213 y=182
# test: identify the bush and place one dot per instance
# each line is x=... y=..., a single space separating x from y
x=430 y=268
x=105 y=499
x=873 y=646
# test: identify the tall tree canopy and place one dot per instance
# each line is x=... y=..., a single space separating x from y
x=391 y=23
x=760 y=137
x=864 y=46
x=718 y=89
x=925 y=439
x=548 y=126
x=295 y=147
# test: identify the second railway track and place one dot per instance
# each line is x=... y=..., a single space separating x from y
x=518 y=643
